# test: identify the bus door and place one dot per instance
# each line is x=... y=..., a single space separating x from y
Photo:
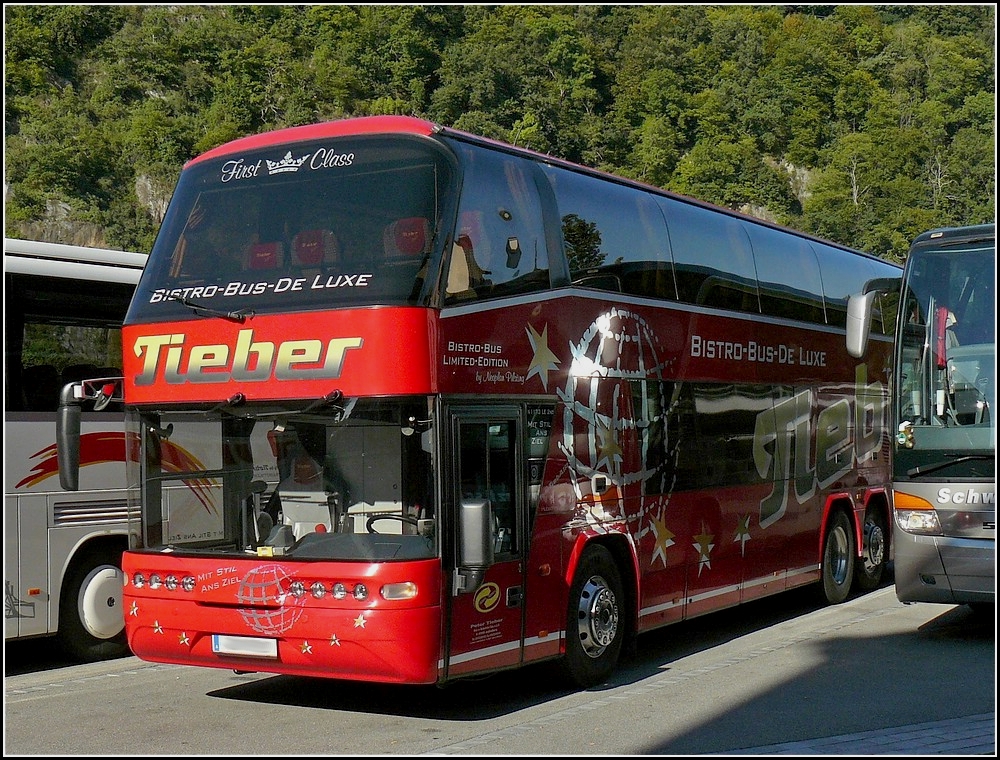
x=486 y=624
x=25 y=565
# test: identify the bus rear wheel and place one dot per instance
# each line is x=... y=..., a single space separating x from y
x=870 y=566
x=91 y=619
x=594 y=627
x=838 y=558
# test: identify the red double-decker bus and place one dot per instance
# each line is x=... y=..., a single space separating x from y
x=409 y=405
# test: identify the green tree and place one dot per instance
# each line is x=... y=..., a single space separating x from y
x=885 y=115
x=735 y=175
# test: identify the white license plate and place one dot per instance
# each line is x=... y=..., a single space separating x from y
x=245 y=646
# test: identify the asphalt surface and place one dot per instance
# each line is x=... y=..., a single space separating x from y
x=970 y=735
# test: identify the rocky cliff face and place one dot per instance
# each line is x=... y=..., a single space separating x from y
x=58 y=227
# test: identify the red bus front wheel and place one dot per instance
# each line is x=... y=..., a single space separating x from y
x=594 y=626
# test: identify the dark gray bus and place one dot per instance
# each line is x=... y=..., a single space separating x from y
x=944 y=415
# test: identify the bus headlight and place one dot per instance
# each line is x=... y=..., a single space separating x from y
x=919 y=521
x=394 y=591
x=916 y=515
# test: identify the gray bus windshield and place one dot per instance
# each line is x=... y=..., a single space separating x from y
x=947 y=350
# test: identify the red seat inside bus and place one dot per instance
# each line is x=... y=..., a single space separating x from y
x=406 y=238
x=265 y=256
x=314 y=248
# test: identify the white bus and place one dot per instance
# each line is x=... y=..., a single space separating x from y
x=63 y=310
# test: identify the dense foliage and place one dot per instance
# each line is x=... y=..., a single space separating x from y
x=863 y=124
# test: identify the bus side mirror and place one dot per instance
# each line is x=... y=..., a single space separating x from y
x=475 y=545
x=68 y=437
x=859 y=319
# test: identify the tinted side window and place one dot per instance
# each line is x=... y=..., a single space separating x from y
x=886 y=307
x=977 y=302
x=499 y=242
x=613 y=235
x=713 y=262
x=843 y=273
x=788 y=273
x=56 y=331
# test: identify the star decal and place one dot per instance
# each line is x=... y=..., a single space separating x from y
x=743 y=534
x=543 y=361
x=609 y=451
x=184 y=639
x=306 y=648
x=334 y=641
x=157 y=628
x=703 y=543
x=359 y=621
x=134 y=610
x=664 y=540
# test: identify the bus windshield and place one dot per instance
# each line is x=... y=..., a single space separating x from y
x=298 y=227
x=348 y=480
x=947 y=351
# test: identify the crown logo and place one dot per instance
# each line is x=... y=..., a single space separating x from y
x=287 y=164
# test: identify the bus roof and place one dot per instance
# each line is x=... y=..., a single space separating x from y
x=356 y=126
x=370 y=125
x=75 y=262
x=956 y=234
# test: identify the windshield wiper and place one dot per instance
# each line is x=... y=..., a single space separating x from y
x=955 y=459
x=240 y=315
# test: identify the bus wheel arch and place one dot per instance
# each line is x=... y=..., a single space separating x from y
x=875 y=539
x=599 y=613
x=839 y=556
x=91 y=618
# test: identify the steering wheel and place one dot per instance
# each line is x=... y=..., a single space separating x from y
x=376 y=517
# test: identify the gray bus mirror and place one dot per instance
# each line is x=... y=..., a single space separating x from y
x=859 y=318
x=68 y=437
x=475 y=547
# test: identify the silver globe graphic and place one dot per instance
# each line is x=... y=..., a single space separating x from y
x=265 y=604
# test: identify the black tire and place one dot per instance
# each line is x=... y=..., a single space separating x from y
x=870 y=566
x=838 y=558
x=91 y=618
x=595 y=628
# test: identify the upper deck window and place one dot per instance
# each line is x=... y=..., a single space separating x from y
x=713 y=260
x=312 y=225
x=499 y=245
x=614 y=236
